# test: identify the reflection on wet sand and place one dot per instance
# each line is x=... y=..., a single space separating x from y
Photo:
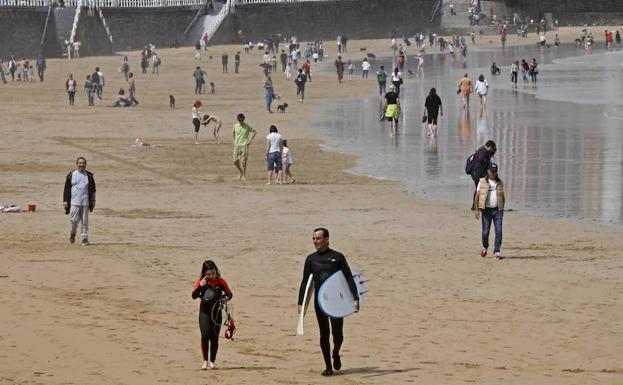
x=559 y=144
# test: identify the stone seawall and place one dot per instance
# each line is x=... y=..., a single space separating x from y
x=21 y=30
x=326 y=20
x=133 y=28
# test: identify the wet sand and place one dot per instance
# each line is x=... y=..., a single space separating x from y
x=120 y=312
x=558 y=140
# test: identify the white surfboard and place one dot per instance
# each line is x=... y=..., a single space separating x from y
x=335 y=298
x=309 y=289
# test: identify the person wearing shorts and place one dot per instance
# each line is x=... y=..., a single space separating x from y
x=274 y=147
x=392 y=108
x=432 y=108
x=242 y=139
x=196 y=118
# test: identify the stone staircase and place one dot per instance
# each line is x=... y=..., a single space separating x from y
x=205 y=23
x=460 y=22
x=64 y=21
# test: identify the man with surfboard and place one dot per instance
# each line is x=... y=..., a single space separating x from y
x=319 y=267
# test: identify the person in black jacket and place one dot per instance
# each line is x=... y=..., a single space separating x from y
x=322 y=264
x=482 y=158
x=79 y=199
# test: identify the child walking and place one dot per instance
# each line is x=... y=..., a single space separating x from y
x=213 y=291
x=286 y=160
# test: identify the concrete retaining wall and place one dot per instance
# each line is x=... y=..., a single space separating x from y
x=133 y=28
x=326 y=20
x=21 y=30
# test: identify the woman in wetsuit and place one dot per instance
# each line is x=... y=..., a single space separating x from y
x=212 y=289
x=322 y=264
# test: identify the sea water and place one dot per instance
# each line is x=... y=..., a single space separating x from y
x=559 y=142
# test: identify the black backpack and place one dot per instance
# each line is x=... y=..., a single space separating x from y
x=470 y=163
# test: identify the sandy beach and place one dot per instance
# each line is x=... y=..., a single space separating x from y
x=120 y=310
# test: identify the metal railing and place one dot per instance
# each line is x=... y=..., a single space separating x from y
x=245 y=2
x=103 y=3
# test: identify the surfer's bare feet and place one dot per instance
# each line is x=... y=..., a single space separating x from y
x=337 y=361
x=327 y=372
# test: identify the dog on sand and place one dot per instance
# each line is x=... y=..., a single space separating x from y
x=282 y=107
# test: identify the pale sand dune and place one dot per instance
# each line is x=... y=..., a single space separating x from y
x=120 y=312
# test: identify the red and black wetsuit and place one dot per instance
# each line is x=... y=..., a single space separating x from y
x=210 y=318
x=322 y=266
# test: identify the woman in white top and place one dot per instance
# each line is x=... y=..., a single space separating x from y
x=397 y=79
x=274 y=146
x=482 y=89
x=70 y=85
x=286 y=159
x=365 y=68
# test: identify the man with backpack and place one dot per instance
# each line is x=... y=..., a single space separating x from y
x=477 y=163
x=300 y=80
x=381 y=77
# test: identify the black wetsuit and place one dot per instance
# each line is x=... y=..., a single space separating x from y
x=210 y=317
x=322 y=266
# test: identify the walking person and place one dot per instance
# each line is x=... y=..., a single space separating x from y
x=300 y=81
x=339 y=67
x=2 y=77
x=480 y=162
x=284 y=59
x=482 y=89
x=242 y=139
x=432 y=107
x=269 y=93
x=132 y=90
x=199 y=74
x=465 y=89
x=489 y=203
x=307 y=70
x=381 y=78
x=534 y=70
x=88 y=90
x=514 y=73
x=70 y=86
x=397 y=80
x=12 y=68
x=322 y=264
x=79 y=199
x=101 y=83
x=365 y=68
x=274 y=148
x=525 y=69
x=213 y=292
x=125 y=67
x=41 y=67
x=224 y=61
x=237 y=62
x=392 y=109
x=286 y=159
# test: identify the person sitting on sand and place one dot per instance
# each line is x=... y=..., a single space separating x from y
x=121 y=100
x=207 y=119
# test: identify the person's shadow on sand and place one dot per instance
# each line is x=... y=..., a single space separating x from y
x=373 y=371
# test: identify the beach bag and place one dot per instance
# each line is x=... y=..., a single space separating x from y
x=470 y=163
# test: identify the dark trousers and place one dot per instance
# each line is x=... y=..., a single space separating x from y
x=337 y=325
x=209 y=334
x=41 y=73
x=198 y=86
x=495 y=216
x=237 y=66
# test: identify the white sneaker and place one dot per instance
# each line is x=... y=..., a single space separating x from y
x=205 y=365
x=212 y=365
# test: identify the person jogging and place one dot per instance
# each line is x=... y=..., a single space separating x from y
x=322 y=264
